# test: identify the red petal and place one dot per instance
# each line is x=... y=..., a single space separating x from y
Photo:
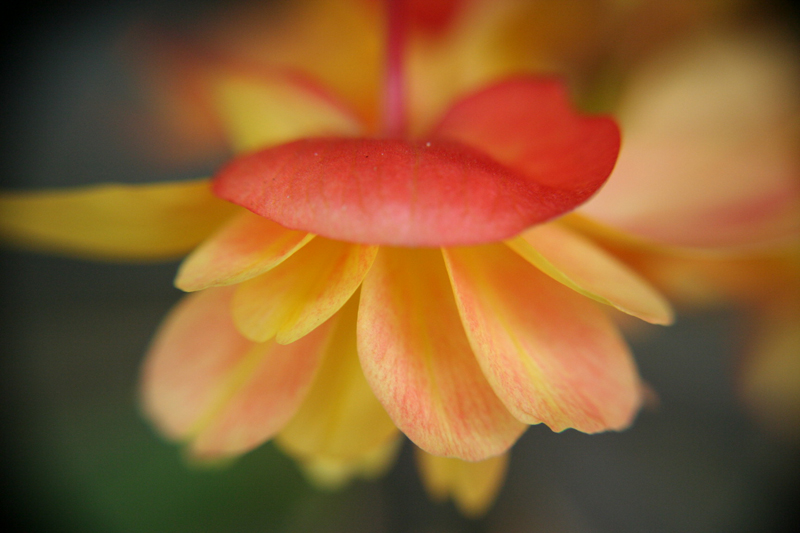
x=529 y=125
x=388 y=191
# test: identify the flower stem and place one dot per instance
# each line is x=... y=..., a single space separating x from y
x=394 y=90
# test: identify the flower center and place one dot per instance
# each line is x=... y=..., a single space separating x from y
x=394 y=121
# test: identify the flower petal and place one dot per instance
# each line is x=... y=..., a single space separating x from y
x=332 y=473
x=550 y=354
x=580 y=265
x=529 y=125
x=195 y=345
x=156 y=221
x=204 y=383
x=339 y=43
x=302 y=293
x=259 y=111
x=418 y=362
x=472 y=485
x=340 y=417
x=389 y=191
x=710 y=155
x=770 y=371
x=247 y=246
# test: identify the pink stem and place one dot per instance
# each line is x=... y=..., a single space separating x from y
x=395 y=103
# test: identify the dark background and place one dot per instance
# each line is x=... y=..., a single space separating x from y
x=77 y=456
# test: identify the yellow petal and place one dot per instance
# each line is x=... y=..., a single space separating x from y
x=549 y=353
x=339 y=43
x=205 y=384
x=770 y=373
x=418 y=361
x=145 y=222
x=340 y=417
x=332 y=473
x=473 y=486
x=262 y=111
x=582 y=266
x=298 y=295
x=247 y=246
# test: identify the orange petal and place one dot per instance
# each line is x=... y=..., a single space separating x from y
x=418 y=362
x=260 y=111
x=472 y=485
x=157 y=221
x=247 y=246
x=260 y=396
x=340 y=417
x=582 y=266
x=196 y=344
x=550 y=354
x=302 y=293
x=204 y=383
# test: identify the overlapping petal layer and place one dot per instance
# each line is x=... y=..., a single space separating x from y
x=339 y=43
x=417 y=359
x=549 y=353
x=148 y=222
x=529 y=125
x=195 y=344
x=206 y=384
x=340 y=418
x=579 y=264
x=247 y=246
x=266 y=110
x=384 y=191
x=300 y=294
x=472 y=485
x=520 y=156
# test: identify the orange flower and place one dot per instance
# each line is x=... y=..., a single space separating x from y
x=359 y=274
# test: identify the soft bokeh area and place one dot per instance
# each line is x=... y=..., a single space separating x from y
x=78 y=456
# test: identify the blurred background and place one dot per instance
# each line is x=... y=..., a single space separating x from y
x=77 y=455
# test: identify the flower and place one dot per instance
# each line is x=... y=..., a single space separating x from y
x=381 y=275
x=708 y=183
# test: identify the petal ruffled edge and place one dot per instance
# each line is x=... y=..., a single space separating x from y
x=417 y=359
x=245 y=247
x=549 y=353
x=205 y=384
x=295 y=297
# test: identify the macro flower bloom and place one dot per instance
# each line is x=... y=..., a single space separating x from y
x=356 y=275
